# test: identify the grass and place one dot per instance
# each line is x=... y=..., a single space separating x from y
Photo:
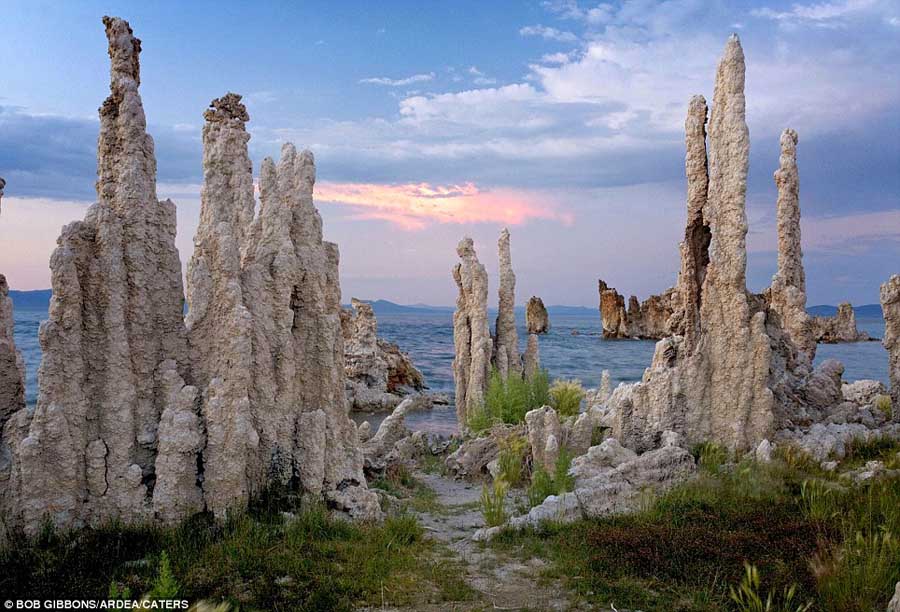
x=508 y=400
x=493 y=502
x=804 y=532
x=883 y=403
x=255 y=560
x=566 y=396
x=747 y=597
x=511 y=459
x=544 y=484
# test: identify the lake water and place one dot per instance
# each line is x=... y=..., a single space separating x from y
x=428 y=338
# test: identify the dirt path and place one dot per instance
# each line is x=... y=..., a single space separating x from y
x=505 y=583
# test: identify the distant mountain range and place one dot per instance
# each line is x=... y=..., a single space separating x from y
x=40 y=300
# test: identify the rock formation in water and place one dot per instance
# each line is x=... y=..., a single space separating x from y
x=89 y=450
x=646 y=320
x=506 y=339
x=721 y=380
x=471 y=336
x=2 y=186
x=787 y=295
x=890 y=306
x=378 y=373
x=117 y=433
x=839 y=328
x=612 y=312
x=537 y=321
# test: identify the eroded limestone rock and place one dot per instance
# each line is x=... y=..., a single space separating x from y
x=890 y=306
x=140 y=416
x=609 y=479
x=612 y=312
x=12 y=368
x=506 y=338
x=787 y=295
x=532 y=356
x=537 y=321
x=726 y=377
x=647 y=320
x=839 y=328
x=90 y=449
x=542 y=424
x=378 y=373
x=471 y=337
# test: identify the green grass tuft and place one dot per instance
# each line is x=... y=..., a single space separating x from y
x=566 y=397
x=493 y=502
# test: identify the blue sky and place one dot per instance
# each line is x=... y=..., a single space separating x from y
x=431 y=121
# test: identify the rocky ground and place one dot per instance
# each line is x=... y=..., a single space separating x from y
x=505 y=582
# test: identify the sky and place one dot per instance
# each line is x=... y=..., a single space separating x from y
x=561 y=120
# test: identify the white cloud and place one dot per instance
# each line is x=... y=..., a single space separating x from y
x=821 y=13
x=548 y=33
x=416 y=78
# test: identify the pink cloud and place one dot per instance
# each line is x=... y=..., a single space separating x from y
x=414 y=206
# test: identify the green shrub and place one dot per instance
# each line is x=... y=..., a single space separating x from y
x=512 y=458
x=544 y=484
x=541 y=487
x=883 y=403
x=165 y=586
x=480 y=419
x=710 y=456
x=561 y=478
x=747 y=598
x=508 y=400
x=566 y=396
x=493 y=499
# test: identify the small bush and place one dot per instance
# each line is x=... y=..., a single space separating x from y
x=561 y=478
x=508 y=400
x=566 y=396
x=512 y=458
x=480 y=420
x=883 y=403
x=541 y=487
x=543 y=484
x=710 y=456
x=493 y=499
x=747 y=598
x=165 y=586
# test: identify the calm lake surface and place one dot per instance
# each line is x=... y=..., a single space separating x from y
x=428 y=338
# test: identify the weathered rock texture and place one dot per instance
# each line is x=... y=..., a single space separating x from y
x=612 y=312
x=537 y=321
x=378 y=373
x=787 y=295
x=890 y=306
x=506 y=338
x=117 y=433
x=609 y=479
x=532 y=357
x=839 y=328
x=90 y=448
x=12 y=368
x=647 y=320
x=725 y=377
x=471 y=337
